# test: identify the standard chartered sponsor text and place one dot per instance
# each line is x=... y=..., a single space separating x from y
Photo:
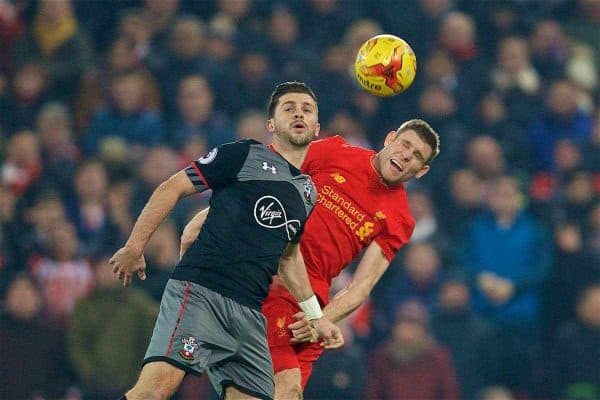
x=341 y=207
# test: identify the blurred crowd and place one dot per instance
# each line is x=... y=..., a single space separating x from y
x=497 y=296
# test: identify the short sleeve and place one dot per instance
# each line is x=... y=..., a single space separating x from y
x=220 y=166
x=396 y=234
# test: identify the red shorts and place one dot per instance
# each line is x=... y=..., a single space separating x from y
x=278 y=309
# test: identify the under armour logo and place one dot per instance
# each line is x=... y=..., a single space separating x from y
x=271 y=167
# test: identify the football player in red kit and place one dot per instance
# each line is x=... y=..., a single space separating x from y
x=361 y=204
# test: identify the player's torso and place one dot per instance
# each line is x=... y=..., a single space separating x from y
x=250 y=223
x=352 y=210
x=261 y=212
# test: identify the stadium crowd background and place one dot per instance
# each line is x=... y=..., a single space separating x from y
x=497 y=295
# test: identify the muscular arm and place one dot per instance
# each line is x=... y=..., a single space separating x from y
x=157 y=208
x=292 y=272
x=192 y=230
x=371 y=267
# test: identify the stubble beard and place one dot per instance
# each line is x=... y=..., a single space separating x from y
x=301 y=140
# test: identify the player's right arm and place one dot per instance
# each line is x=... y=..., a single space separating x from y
x=192 y=230
x=129 y=259
x=292 y=272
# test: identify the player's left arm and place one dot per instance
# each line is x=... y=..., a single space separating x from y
x=370 y=269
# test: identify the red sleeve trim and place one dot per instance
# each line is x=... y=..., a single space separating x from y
x=200 y=175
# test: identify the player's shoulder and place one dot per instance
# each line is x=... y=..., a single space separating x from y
x=243 y=143
x=242 y=146
x=334 y=142
x=397 y=203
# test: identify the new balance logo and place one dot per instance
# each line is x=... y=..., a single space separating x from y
x=266 y=166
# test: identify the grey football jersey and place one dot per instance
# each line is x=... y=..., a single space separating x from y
x=259 y=204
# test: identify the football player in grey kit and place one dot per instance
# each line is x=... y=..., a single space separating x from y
x=210 y=316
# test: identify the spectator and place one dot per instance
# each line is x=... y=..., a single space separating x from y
x=291 y=55
x=341 y=374
x=33 y=354
x=33 y=222
x=515 y=78
x=162 y=254
x=412 y=365
x=251 y=125
x=11 y=26
x=576 y=354
x=60 y=153
x=562 y=119
x=89 y=210
x=62 y=275
x=184 y=56
x=127 y=117
x=549 y=49
x=342 y=123
x=565 y=283
x=250 y=83
x=466 y=335
x=462 y=197
x=106 y=363
x=159 y=164
x=135 y=28
x=492 y=119
x=427 y=226
x=197 y=116
x=439 y=108
x=418 y=277
x=485 y=158
x=508 y=256
x=457 y=35
x=93 y=93
x=29 y=92
x=22 y=166
x=57 y=42
x=161 y=16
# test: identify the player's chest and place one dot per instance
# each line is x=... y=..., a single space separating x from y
x=353 y=201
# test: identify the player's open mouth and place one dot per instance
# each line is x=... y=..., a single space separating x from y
x=298 y=125
x=396 y=165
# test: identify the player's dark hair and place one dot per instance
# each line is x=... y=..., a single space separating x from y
x=426 y=133
x=285 y=88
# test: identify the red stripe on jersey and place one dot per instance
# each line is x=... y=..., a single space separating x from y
x=186 y=296
x=200 y=175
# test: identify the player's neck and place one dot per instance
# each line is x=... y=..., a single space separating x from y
x=293 y=154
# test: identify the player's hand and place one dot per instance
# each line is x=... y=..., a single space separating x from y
x=302 y=330
x=329 y=332
x=126 y=262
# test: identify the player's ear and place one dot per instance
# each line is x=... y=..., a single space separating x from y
x=317 y=129
x=390 y=137
x=422 y=172
x=270 y=125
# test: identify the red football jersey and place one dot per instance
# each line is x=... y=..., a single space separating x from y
x=354 y=207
